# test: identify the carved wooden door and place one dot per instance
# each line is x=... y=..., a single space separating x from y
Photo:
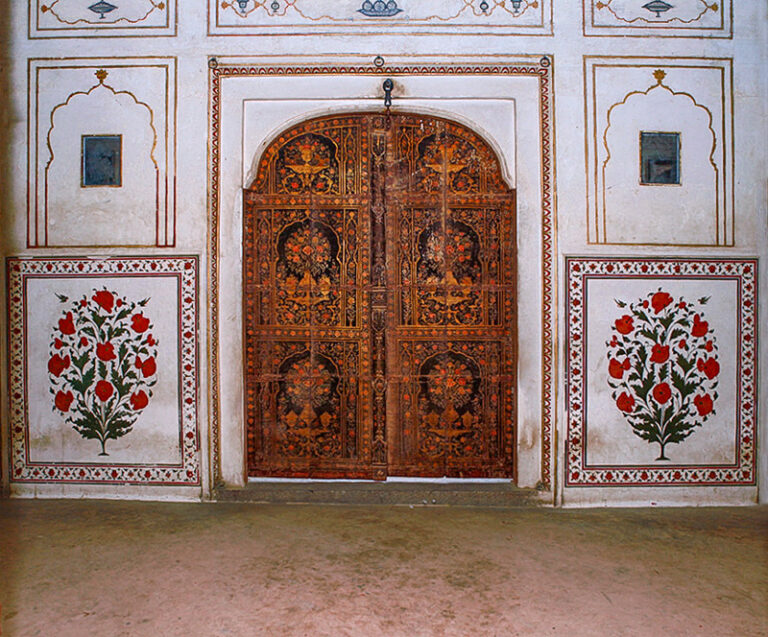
x=379 y=302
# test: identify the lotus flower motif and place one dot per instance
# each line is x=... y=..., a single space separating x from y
x=658 y=7
x=379 y=8
x=101 y=8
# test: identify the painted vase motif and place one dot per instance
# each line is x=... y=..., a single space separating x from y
x=663 y=367
x=102 y=365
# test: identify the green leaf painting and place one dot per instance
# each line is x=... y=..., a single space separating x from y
x=663 y=368
x=102 y=365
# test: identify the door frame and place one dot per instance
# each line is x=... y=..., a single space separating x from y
x=240 y=118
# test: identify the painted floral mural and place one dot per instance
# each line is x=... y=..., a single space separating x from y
x=663 y=367
x=102 y=365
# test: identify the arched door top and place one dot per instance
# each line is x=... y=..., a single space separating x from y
x=379 y=302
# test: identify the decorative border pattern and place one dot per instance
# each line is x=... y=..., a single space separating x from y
x=112 y=23
x=579 y=270
x=183 y=268
x=660 y=26
x=165 y=173
x=471 y=17
x=542 y=71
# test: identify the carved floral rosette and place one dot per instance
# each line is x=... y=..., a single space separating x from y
x=578 y=471
x=22 y=328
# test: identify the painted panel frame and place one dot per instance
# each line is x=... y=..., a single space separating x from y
x=581 y=373
x=700 y=19
x=179 y=272
x=323 y=17
x=50 y=97
x=50 y=19
x=661 y=76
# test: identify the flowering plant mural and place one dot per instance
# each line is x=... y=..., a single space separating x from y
x=663 y=367
x=102 y=365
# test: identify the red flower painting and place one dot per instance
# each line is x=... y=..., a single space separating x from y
x=139 y=323
x=104 y=390
x=104 y=351
x=625 y=402
x=63 y=400
x=67 y=325
x=703 y=404
x=105 y=300
x=666 y=382
x=662 y=393
x=95 y=384
x=699 y=327
x=659 y=353
x=659 y=301
x=57 y=364
x=139 y=400
x=624 y=325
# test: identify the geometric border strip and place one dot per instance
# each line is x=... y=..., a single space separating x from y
x=184 y=268
x=540 y=68
x=743 y=471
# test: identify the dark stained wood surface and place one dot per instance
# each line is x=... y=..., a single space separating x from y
x=379 y=305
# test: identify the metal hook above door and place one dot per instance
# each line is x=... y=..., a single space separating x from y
x=388 y=86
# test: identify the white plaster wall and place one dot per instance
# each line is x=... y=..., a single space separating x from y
x=567 y=46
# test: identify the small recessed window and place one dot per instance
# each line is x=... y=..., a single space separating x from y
x=101 y=160
x=659 y=158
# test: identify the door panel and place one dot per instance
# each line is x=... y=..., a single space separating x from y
x=379 y=302
x=453 y=359
x=307 y=335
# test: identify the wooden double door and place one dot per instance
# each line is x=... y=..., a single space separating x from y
x=379 y=302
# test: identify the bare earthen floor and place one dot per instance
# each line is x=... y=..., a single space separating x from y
x=127 y=568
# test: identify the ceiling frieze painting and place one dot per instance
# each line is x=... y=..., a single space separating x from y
x=264 y=17
x=100 y=18
x=655 y=18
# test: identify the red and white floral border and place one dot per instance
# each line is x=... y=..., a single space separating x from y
x=185 y=268
x=579 y=271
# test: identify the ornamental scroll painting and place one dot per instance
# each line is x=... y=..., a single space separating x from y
x=102 y=365
x=377 y=16
x=100 y=18
x=663 y=367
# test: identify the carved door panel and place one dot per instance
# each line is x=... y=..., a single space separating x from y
x=451 y=353
x=379 y=302
x=306 y=314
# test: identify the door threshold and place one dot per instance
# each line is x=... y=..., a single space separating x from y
x=393 y=479
x=398 y=491
x=262 y=479
x=451 y=480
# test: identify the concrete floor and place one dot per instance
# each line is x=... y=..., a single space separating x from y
x=127 y=568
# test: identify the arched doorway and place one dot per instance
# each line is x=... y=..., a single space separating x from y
x=379 y=302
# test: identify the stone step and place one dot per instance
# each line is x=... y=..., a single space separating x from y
x=481 y=494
